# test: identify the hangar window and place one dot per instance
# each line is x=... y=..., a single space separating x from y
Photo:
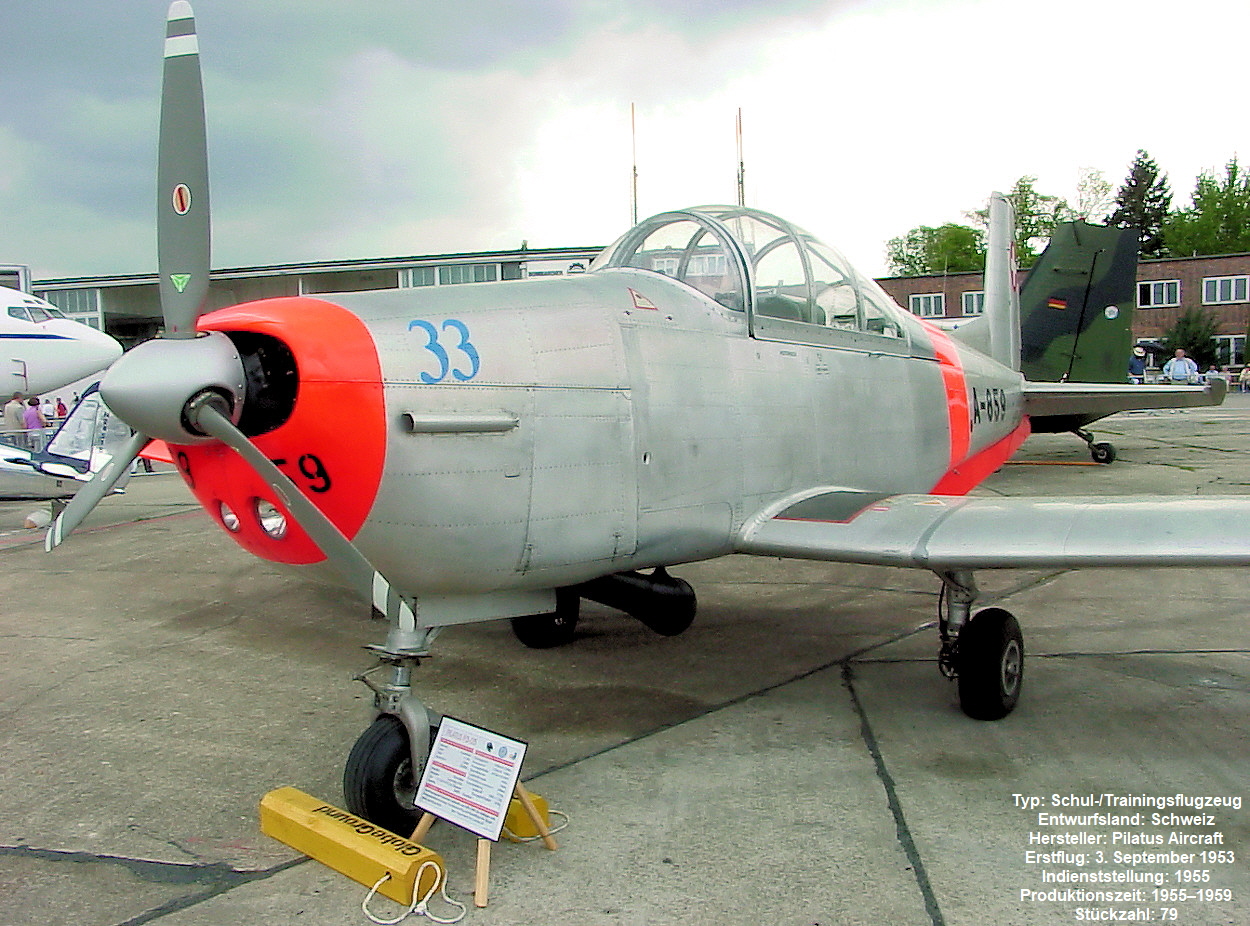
x=418 y=276
x=76 y=302
x=468 y=273
x=928 y=305
x=1230 y=349
x=1158 y=293
x=1222 y=290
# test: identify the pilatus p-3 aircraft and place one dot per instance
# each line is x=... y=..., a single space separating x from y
x=719 y=382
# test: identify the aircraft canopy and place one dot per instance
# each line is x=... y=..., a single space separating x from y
x=749 y=260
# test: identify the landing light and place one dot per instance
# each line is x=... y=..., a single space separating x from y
x=272 y=521
x=228 y=518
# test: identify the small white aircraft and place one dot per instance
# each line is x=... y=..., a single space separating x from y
x=41 y=350
x=81 y=446
x=719 y=382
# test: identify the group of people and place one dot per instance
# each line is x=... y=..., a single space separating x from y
x=26 y=420
x=1180 y=370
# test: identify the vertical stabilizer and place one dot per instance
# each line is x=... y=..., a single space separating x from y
x=1002 y=298
x=1077 y=304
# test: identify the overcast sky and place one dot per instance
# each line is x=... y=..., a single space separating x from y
x=375 y=129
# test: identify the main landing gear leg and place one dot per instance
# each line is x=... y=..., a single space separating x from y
x=984 y=652
x=383 y=769
x=1100 y=451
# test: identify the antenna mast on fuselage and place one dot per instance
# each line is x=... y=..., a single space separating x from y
x=633 y=141
x=742 y=195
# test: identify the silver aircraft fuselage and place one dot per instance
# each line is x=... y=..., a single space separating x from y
x=484 y=438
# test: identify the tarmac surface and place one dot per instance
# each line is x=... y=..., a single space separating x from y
x=794 y=758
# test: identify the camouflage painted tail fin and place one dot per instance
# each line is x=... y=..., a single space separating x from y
x=1076 y=306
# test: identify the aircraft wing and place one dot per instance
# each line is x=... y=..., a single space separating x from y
x=1057 y=407
x=980 y=532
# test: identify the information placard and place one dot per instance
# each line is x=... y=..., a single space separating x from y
x=470 y=777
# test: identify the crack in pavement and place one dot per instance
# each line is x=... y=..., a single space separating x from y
x=216 y=877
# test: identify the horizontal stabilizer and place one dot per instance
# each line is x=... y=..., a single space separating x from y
x=1060 y=407
x=949 y=533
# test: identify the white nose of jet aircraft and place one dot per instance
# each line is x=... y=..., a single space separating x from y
x=43 y=350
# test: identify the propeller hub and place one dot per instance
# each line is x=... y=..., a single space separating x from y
x=189 y=372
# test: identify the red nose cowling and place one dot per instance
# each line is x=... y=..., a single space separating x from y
x=326 y=427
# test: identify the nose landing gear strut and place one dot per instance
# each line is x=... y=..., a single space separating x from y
x=984 y=652
x=384 y=766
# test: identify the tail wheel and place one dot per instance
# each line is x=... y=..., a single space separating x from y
x=1102 y=452
x=380 y=778
x=990 y=664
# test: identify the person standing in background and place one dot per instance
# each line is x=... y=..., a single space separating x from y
x=14 y=422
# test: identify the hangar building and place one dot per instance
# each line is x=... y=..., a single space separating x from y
x=128 y=307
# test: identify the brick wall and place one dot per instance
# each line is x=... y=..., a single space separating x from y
x=1232 y=319
x=1190 y=271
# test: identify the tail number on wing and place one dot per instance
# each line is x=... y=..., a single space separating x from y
x=456 y=331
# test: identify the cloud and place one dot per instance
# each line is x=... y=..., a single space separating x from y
x=468 y=138
x=378 y=128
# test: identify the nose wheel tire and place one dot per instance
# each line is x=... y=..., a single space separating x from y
x=380 y=779
x=990 y=664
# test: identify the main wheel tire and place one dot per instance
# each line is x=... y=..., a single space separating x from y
x=674 y=609
x=1102 y=452
x=991 y=664
x=544 y=631
x=379 y=779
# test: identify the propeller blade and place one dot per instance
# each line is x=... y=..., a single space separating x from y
x=183 y=233
x=101 y=484
x=341 y=552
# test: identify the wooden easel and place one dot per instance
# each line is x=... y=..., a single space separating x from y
x=481 y=881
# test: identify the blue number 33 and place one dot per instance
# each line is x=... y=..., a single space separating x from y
x=434 y=344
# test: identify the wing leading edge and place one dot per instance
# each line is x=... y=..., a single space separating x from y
x=962 y=533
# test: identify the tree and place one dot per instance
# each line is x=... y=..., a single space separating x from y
x=1218 y=218
x=948 y=248
x=1036 y=217
x=1093 y=195
x=1195 y=331
x=1142 y=203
